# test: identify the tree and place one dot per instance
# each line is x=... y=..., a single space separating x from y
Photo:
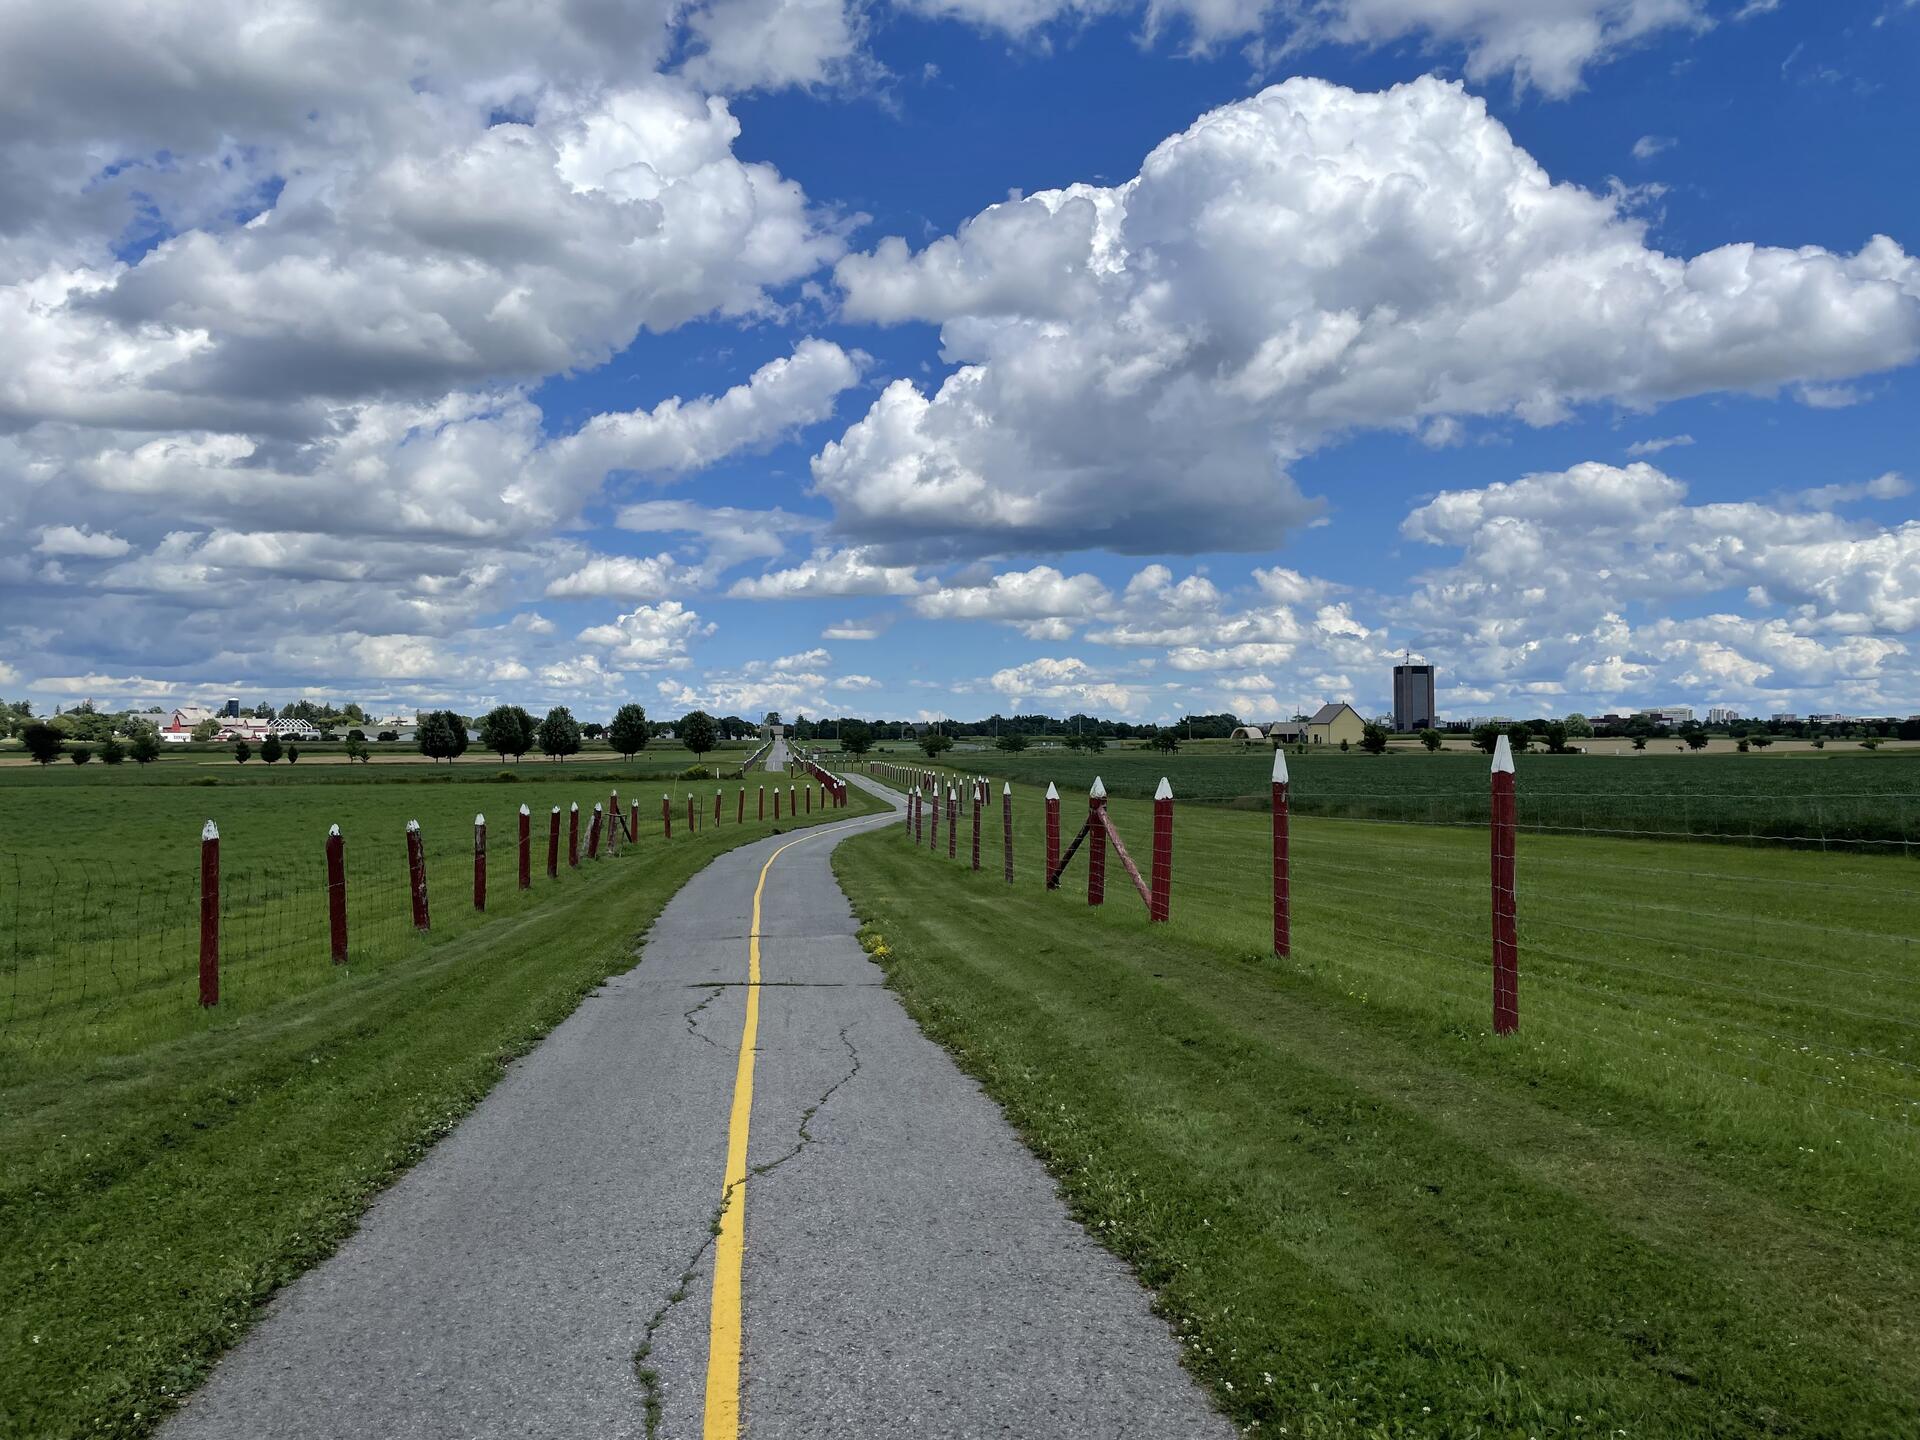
x=1166 y=742
x=206 y=730
x=1760 y=742
x=559 y=734
x=1695 y=738
x=80 y=754
x=388 y=736
x=1431 y=739
x=112 y=752
x=593 y=729
x=1486 y=738
x=1872 y=742
x=146 y=746
x=856 y=738
x=1742 y=744
x=933 y=742
x=629 y=732
x=1520 y=737
x=1579 y=727
x=1373 y=738
x=697 y=732
x=356 y=734
x=1640 y=742
x=270 y=749
x=242 y=752
x=42 y=742
x=293 y=753
x=457 y=728
x=507 y=730
x=1556 y=737
x=1093 y=742
x=356 y=747
x=773 y=718
x=435 y=736
x=1013 y=742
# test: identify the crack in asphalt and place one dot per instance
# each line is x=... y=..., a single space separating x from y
x=649 y=1378
x=693 y=1025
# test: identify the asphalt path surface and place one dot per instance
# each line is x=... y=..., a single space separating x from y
x=546 y=1270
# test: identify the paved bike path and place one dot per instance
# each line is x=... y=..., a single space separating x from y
x=909 y=1267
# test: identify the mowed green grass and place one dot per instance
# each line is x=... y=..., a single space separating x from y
x=1858 y=797
x=1680 y=1202
x=164 y=1169
x=99 y=880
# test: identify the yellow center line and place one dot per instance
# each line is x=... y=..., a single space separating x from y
x=730 y=1246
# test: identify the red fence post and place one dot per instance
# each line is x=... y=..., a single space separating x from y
x=776 y=804
x=479 y=862
x=740 y=812
x=614 y=815
x=573 y=835
x=1097 y=846
x=1161 y=885
x=593 y=833
x=809 y=793
x=1053 y=837
x=976 y=824
x=1506 y=944
x=337 y=894
x=919 y=813
x=417 y=875
x=692 y=822
x=526 y=848
x=1006 y=826
x=793 y=802
x=210 y=914
x=553 y=843
x=633 y=823
x=953 y=821
x=1282 y=861
x=666 y=817
x=763 y=802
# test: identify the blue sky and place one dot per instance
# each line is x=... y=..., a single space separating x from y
x=753 y=357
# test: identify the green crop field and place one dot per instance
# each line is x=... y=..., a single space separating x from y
x=1854 y=797
x=1679 y=1202
x=164 y=1168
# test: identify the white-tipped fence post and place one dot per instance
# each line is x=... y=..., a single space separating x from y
x=977 y=788
x=573 y=834
x=209 y=914
x=417 y=876
x=1506 y=942
x=1006 y=827
x=1096 y=843
x=1053 y=837
x=953 y=822
x=1161 y=888
x=1282 y=868
x=479 y=862
x=526 y=848
x=593 y=833
x=553 y=843
x=337 y=894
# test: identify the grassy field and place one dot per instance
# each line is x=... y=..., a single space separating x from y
x=163 y=1169
x=1817 y=795
x=1680 y=1202
x=100 y=913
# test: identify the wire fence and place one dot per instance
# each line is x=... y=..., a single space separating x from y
x=101 y=955
x=1771 y=986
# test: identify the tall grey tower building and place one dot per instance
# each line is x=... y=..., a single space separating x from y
x=1413 y=707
